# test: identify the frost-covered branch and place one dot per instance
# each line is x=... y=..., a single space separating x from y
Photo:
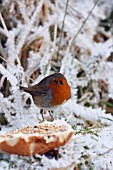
x=27 y=28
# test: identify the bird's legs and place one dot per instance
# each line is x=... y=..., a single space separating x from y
x=52 y=118
x=42 y=113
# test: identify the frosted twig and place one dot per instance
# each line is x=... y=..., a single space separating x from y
x=3 y=32
x=9 y=76
x=62 y=27
x=3 y=23
x=27 y=28
x=2 y=51
x=98 y=155
x=54 y=41
x=55 y=34
x=23 y=10
x=13 y=66
x=84 y=23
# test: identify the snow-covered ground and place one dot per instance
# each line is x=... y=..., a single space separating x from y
x=30 y=33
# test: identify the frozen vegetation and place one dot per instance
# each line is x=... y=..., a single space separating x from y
x=38 y=38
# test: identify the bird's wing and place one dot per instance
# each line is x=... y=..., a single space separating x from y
x=35 y=90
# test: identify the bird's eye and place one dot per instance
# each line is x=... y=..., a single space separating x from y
x=55 y=80
x=61 y=82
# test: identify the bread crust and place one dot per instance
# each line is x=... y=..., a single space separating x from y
x=37 y=142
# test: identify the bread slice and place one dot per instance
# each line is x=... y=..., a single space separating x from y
x=36 y=139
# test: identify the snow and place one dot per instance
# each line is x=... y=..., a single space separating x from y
x=87 y=63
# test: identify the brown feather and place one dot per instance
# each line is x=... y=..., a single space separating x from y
x=33 y=90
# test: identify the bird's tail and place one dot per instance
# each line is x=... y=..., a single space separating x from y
x=26 y=89
x=29 y=89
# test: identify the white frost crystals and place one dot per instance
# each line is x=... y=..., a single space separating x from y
x=87 y=65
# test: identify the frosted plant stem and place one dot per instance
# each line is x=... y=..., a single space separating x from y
x=3 y=32
x=53 y=47
x=62 y=28
x=13 y=66
x=55 y=34
x=101 y=154
x=3 y=52
x=3 y=23
x=27 y=28
x=84 y=22
x=23 y=11
x=54 y=42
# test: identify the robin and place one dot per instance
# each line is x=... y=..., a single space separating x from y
x=50 y=92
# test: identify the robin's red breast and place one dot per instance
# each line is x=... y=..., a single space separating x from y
x=50 y=92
